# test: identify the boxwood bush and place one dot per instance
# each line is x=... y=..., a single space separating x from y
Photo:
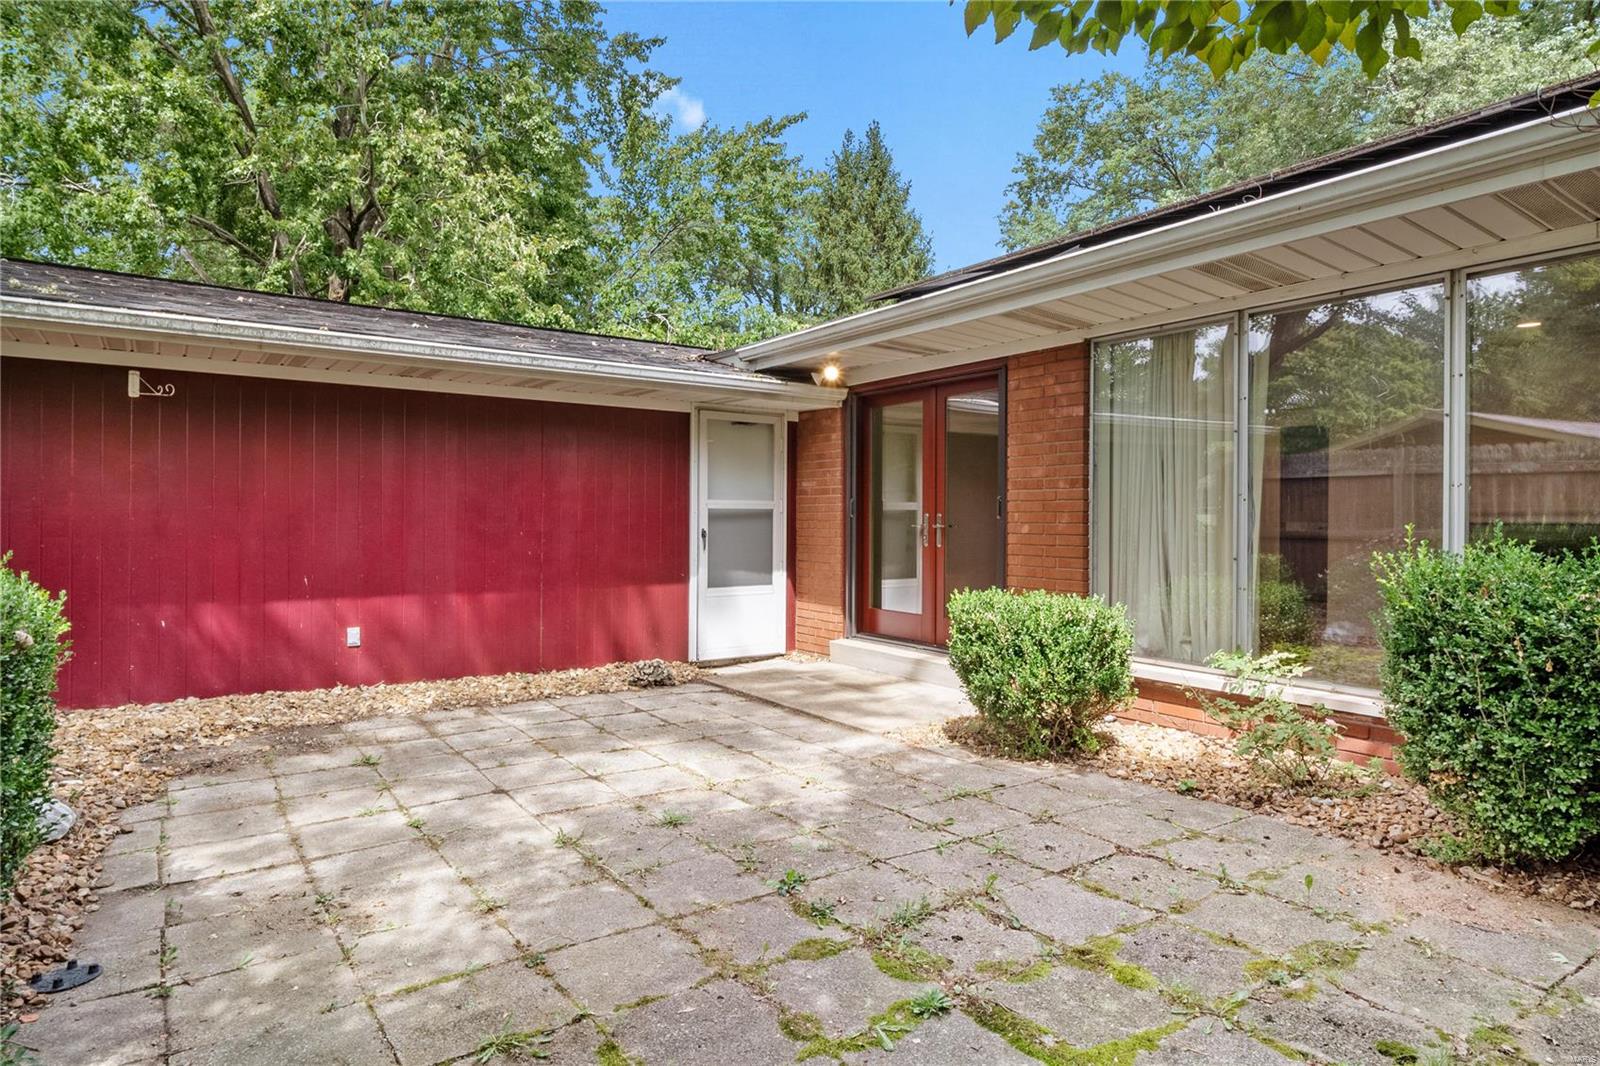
x=1492 y=672
x=32 y=648
x=1041 y=666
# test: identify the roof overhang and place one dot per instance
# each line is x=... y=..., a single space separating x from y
x=152 y=340
x=1530 y=189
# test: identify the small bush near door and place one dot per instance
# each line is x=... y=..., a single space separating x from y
x=1492 y=672
x=1042 y=667
x=31 y=650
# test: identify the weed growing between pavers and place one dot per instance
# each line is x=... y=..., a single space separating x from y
x=798 y=1025
x=441 y=979
x=1395 y=1051
x=610 y=1054
x=908 y=962
x=529 y=1044
x=1494 y=1045
x=911 y=914
x=819 y=912
x=881 y=1031
x=1291 y=973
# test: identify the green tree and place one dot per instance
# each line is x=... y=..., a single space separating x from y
x=434 y=156
x=1226 y=34
x=704 y=234
x=868 y=238
x=1117 y=145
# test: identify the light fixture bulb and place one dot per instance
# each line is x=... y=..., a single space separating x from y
x=831 y=374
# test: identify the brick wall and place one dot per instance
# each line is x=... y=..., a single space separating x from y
x=1047 y=470
x=819 y=493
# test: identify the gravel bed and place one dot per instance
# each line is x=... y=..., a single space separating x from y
x=1371 y=807
x=112 y=758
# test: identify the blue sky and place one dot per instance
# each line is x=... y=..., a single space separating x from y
x=955 y=111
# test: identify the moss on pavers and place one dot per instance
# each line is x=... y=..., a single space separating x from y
x=1083 y=1005
x=1100 y=953
x=1035 y=1040
x=839 y=991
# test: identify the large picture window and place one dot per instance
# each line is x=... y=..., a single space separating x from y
x=1533 y=386
x=1349 y=434
x=1346 y=450
x=1163 y=488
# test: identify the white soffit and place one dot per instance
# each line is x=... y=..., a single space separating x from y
x=1531 y=190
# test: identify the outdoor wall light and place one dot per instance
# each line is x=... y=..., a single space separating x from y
x=830 y=374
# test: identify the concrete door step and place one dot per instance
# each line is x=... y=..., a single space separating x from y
x=928 y=665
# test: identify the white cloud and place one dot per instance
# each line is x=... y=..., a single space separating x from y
x=689 y=111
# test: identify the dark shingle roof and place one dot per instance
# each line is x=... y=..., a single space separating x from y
x=1500 y=115
x=129 y=292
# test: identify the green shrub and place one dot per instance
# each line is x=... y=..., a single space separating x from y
x=1041 y=666
x=1492 y=672
x=32 y=626
x=1283 y=610
x=1280 y=741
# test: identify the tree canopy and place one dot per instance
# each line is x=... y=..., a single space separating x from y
x=1116 y=145
x=504 y=160
x=868 y=239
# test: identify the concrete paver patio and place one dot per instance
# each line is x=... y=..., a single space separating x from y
x=694 y=875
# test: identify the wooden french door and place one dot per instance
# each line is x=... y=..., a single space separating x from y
x=930 y=494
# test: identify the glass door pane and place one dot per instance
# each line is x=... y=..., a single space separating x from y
x=895 y=564
x=967 y=523
x=738 y=547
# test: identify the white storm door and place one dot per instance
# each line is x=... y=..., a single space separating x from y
x=740 y=537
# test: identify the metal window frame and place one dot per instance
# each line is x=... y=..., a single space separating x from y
x=1456 y=399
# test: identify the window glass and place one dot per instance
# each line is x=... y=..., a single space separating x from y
x=1346 y=450
x=897 y=511
x=971 y=530
x=1533 y=380
x=739 y=548
x=1163 y=471
x=741 y=460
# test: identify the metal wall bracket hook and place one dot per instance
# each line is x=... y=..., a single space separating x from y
x=138 y=386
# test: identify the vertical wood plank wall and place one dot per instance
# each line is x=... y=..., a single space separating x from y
x=221 y=540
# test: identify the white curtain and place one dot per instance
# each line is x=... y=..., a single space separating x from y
x=1163 y=490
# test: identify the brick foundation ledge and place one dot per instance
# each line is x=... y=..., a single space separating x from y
x=1361 y=736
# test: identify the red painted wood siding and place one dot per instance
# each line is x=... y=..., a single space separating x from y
x=221 y=540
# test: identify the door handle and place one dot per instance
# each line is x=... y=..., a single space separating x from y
x=939 y=526
x=702 y=538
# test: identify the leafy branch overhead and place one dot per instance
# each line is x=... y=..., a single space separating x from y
x=1124 y=142
x=1224 y=33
